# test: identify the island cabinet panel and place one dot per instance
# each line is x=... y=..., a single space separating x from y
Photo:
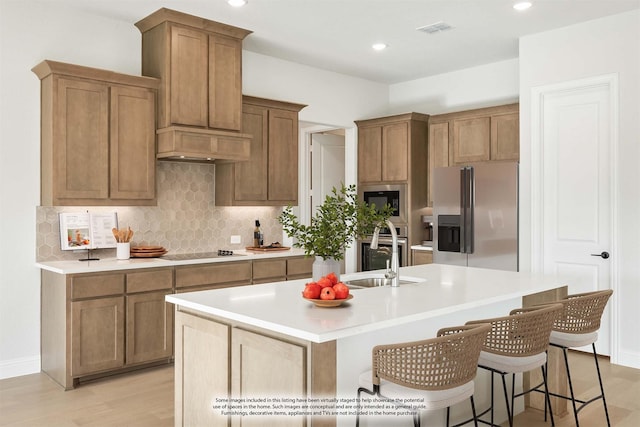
x=202 y=370
x=269 y=270
x=270 y=177
x=97 y=335
x=97 y=136
x=213 y=276
x=257 y=366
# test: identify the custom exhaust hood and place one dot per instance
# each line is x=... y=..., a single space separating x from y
x=183 y=143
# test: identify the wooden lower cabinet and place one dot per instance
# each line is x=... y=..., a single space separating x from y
x=269 y=270
x=299 y=267
x=149 y=327
x=97 y=335
x=96 y=324
x=419 y=257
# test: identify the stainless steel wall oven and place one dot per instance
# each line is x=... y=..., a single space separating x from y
x=376 y=259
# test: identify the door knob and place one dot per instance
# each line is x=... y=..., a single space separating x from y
x=603 y=255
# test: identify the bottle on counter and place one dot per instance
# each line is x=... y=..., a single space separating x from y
x=258 y=237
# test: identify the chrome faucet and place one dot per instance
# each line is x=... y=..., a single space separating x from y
x=393 y=272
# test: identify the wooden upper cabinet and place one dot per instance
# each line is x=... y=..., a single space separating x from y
x=438 y=153
x=97 y=136
x=200 y=64
x=225 y=82
x=481 y=135
x=505 y=136
x=80 y=139
x=282 y=166
x=188 y=79
x=386 y=147
x=370 y=154
x=133 y=144
x=270 y=177
x=395 y=152
x=471 y=140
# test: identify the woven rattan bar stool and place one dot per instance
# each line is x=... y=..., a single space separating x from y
x=438 y=372
x=516 y=344
x=578 y=326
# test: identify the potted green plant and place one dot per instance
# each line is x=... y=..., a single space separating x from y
x=338 y=222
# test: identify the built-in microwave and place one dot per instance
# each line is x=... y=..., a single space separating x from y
x=394 y=195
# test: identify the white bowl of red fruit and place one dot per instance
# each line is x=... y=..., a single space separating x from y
x=328 y=291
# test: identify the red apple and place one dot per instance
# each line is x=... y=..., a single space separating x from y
x=327 y=293
x=312 y=291
x=341 y=290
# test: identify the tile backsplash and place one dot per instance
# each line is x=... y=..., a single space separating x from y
x=185 y=219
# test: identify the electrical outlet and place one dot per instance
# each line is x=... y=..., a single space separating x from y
x=235 y=239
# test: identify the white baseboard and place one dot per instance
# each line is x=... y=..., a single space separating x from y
x=18 y=367
x=629 y=359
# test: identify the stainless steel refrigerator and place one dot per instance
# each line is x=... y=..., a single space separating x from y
x=475 y=213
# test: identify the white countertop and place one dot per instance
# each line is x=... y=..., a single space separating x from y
x=422 y=248
x=446 y=289
x=112 y=264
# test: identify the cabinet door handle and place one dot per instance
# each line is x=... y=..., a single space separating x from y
x=603 y=255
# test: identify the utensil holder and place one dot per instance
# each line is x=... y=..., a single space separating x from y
x=123 y=250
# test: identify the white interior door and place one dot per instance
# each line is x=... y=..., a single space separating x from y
x=576 y=141
x=327 y=166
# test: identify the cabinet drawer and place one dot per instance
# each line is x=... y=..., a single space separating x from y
x=268 y=268
x=236 y=273
x=96 y=285
x=153 y=280
x=301 y=266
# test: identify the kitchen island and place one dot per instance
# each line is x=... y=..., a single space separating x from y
x=259 y=354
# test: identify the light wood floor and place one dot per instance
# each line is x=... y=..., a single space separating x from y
x=145 y=398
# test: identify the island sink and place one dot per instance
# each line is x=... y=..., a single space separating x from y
x=372 y=282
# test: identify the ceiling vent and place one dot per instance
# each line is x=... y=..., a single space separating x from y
x=435 y=28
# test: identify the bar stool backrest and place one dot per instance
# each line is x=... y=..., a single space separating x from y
x=524 y=332
x=582 y=313
x=440 y=363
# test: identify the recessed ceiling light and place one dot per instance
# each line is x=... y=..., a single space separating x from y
x=379 y=46
x=523 y=5
x=237 y=3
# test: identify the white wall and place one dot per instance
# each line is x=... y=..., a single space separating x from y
x=603 y=46
x=483 y=86
x=33 y=31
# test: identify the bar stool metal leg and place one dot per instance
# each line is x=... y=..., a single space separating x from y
x=604 y=401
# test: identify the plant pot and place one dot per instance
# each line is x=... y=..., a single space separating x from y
x=322 y=267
